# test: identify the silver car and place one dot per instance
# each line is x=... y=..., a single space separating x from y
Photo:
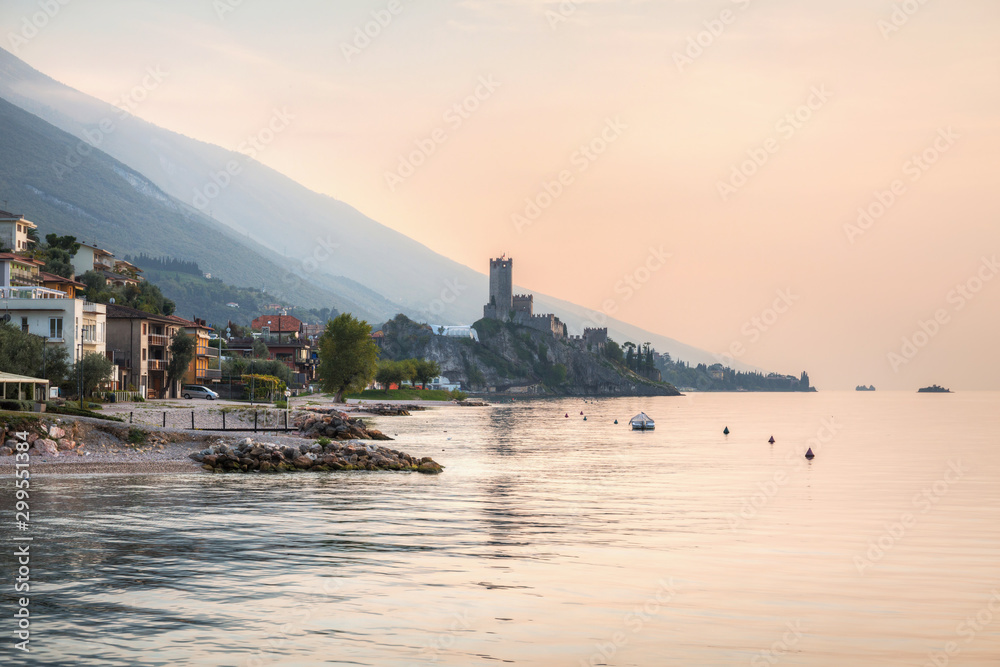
x=197 y=391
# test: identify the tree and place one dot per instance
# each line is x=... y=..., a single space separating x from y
x=348 y=357
x=59 y=254
x=90 y=371
x=259 y=349
x=22 y=354
x=613 y=352
x=389 y=373
x=182 y=349
x=426 y=370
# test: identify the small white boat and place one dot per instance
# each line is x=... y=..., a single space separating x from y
x=642 y=422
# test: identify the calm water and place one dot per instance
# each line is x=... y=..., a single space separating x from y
x=551 y=541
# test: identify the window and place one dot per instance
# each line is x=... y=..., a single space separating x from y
x=144 y=354
x=24 y=324
x=55 y=327
x=143 y=328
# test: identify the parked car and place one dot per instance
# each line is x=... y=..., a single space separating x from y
x=197 y=391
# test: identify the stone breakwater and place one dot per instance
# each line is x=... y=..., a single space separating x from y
x=251 y=456
x=336 y=425
x=389 y=410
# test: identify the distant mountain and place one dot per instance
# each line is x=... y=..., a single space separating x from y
x=105 y=202
x=320 y=243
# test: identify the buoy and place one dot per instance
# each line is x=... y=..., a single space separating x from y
x=581 y=412
x=616 y=421
x=584 y=419
x=725 y=431
x=810 y=455
x=771 y=440
x=567 y=415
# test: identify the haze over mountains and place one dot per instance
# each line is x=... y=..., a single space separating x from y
x=160 y=192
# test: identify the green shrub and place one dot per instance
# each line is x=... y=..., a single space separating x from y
x=137 y=436
x=15 y=405
x=457 y=395
x=94 y=406
x=281 y=404
x=324 y=441
x=55 y=408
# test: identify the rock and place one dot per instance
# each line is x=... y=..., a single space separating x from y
x=265 y=466
x=430 y=468
x=56 y=433
x=197 y=456
x=210 y=459
x=32 y=437
x=64 y=444
x=11 y=444
x=302 y=462
x=6 y=451
x=46 y=447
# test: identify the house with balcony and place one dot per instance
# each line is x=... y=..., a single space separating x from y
x=277 y=327
x=117 y=272
x=14 y=232
x=206 y=367
x=140 y=342
x=73 y=288
x=52 y=314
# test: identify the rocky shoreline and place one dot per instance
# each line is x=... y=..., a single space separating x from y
x=265 y=457
x=334 y=424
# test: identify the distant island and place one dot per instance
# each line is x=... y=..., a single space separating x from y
x=861 y=387
x=933 y=389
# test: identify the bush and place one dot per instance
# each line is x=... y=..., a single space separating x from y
x=94 y=406
x=324 y=441
x=55 y=408
x=15 y=405
x=457 y=395
x=281 y=404
x=136 y=436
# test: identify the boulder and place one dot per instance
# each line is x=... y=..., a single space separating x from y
x=430 y=468
x=56 y=433
x=44 y=446
x=302 y=462
x=64 y=444
x=6 y=451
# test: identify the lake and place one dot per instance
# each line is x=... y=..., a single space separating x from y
x=551 y=541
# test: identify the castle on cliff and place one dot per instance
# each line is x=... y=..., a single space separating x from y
x=504 y=305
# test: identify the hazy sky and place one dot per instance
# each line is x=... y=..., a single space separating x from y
x=739 y=137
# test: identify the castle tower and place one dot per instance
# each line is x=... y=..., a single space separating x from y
x=501 y=289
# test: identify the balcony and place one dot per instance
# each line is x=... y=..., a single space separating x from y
x=208 y=374
x=158 y=340
x=157 y=364
x=22 y=278
x=94 y=308
x=208 y=351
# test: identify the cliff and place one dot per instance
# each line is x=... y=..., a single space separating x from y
x=514 y=359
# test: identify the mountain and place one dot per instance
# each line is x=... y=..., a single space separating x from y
x=322 y=243
x=105 y=202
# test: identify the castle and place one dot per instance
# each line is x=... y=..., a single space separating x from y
x=504 y=305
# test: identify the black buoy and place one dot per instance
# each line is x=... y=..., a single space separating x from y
x=584 y=419
x=725 y=431
x=771 y=440
x=810 y=455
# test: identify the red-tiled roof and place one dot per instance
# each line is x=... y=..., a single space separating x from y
x=53 y=278
x=277 y=323
x=20 y=258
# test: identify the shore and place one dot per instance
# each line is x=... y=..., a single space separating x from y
x=168 y=449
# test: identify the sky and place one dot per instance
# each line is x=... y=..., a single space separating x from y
x=794 y=185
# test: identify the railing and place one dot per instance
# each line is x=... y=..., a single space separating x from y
x=89 y=307
x=208 y=351
x=157 y=339
x=31 y=293
x=208 y=374
x=91 y=339
x=157 y=364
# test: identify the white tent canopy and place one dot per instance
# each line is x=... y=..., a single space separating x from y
x=39 y=387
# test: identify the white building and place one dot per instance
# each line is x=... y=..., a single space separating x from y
x=91 y=258
x=441 y=382
x=14 y=231
x=463 y=331
x=77 y=325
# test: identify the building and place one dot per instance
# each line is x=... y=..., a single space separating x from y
x=14 y=232
x=206 y=366
x=282 y=327
x=116 y=272
x=501 y=289
x=73 y=288
x=140 y=343
x=524 y=303
x=52 y=314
